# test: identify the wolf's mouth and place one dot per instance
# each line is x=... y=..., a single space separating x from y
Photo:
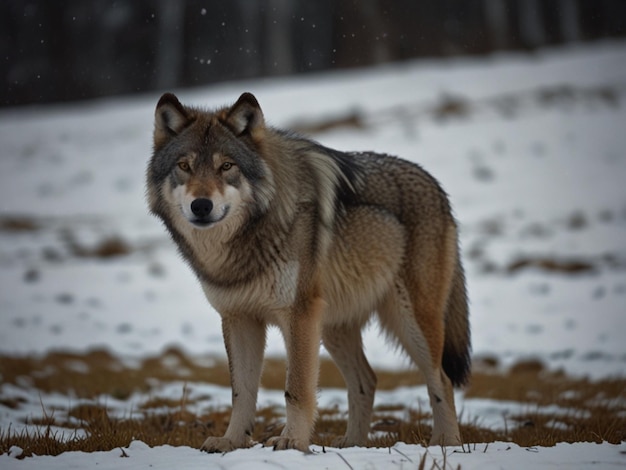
x=206 y=222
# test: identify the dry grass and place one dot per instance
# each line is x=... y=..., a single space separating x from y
x=594 y=409
x=449 y=107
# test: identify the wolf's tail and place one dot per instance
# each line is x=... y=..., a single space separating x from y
x=456 y=361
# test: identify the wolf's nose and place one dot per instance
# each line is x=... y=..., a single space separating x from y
x=201 y=207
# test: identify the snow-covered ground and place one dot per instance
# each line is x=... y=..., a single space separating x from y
x=532 y=152
x=400 y=457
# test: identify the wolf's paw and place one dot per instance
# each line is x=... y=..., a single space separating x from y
x=344 y=441
x=283 y=442
x=446 y=440
x=221 y=445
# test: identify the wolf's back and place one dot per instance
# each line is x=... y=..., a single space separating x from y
x=403 y=188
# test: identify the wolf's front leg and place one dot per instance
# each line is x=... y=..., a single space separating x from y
x=245 y=344
x=302 y=333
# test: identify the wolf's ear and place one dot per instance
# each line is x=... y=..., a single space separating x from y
x=245 y=116
x=170 y=118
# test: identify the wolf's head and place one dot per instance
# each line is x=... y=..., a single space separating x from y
x=206 y=164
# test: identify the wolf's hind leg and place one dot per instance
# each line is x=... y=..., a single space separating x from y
x=424 y=348
x=245 y=344
x=344 y=343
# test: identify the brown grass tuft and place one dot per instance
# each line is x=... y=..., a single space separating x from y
x=581 y=410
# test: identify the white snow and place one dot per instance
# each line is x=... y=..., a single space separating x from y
x=547 y=182
x=400 y=456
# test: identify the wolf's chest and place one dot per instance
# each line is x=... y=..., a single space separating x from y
x=272 y=291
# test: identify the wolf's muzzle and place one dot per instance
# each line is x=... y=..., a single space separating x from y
x=202 y=208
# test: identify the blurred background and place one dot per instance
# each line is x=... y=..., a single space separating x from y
x=64 y=50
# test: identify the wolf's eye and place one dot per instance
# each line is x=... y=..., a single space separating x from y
x=184 y=166
x=227 y=166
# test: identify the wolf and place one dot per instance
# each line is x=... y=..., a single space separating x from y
x=281 y=230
